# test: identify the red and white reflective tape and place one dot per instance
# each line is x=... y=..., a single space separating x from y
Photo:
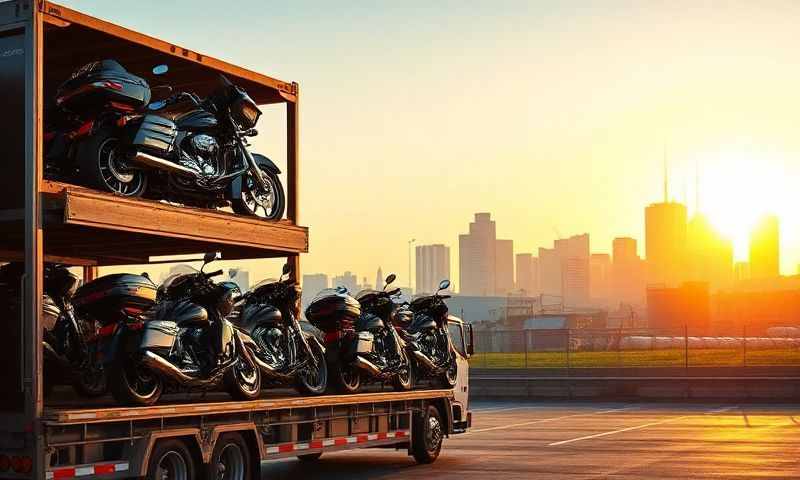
x=335 y=442
x=87 y=470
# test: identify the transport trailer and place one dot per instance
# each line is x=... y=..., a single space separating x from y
x=45 y=220
x=198 y=440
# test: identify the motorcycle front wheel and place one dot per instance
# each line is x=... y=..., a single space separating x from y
x=450 y=376
x=254 y=202
x=243 y=379
x=404 y=379
x=313 y=380
x=101 y=166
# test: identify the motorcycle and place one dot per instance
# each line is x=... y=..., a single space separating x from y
x=68 y=338
x=362 y=344
x=284 y=353
x=183 y=342
x=428 y=339
x=108 y=134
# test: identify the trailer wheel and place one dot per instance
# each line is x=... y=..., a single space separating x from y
x=309 y=457
x=171 y=459
x=230 y=459
x=427 y=435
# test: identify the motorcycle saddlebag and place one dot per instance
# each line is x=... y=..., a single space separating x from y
x=112 y=298
x=155 y=134
x=364 y=342
x=159 y=336
x=94 y=86
x=330 y=307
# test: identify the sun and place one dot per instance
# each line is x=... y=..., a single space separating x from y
x=736 y=190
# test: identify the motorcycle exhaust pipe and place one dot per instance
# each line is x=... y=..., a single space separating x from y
x=170 y=371
x=424 y=360
x=367 y=366
x=268 y=370
x=147 y=160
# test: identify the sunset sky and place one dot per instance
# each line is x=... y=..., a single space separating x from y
x=553 y=116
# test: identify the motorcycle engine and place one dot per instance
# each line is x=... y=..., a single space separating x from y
x=201 y=154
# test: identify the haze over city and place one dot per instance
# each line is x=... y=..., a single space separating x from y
x=553 y=116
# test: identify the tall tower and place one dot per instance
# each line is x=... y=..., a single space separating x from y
x=765 y=249
x=477 y=257
x=379 y=279
x=665 y=238
x=433 y=266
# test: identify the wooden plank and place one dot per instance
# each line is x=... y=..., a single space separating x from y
x=55 y=416
x=57 y=15
x=101 y=210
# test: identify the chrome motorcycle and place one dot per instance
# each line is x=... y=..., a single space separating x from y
x=106 y=131
x=184 y=342
x=428 y=338
x=285 y=354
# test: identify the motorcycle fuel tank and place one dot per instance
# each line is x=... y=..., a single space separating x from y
x=369 y=323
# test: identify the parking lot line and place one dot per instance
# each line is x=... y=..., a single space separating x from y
x=636 y=427
x=549 y=419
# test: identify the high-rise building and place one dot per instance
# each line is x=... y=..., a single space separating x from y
x=313 y=283
x=573 y=253
x=347 y=280
x=665 y=243
x=476 y=257
x=527 y=276
x=379 y=280
x=627 y=273
x=504 y=267
x=765 y=249
x=549 y=272
x=600 y=278
x=709 y=255
x=433 y=266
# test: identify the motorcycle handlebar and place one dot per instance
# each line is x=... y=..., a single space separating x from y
x=214 y=274
x=393 y=292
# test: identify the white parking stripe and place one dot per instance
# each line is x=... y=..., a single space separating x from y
x=637 y=427
x=549 y=419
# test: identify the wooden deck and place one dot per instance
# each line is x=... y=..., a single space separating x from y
x=87 y=227
x=66 y=416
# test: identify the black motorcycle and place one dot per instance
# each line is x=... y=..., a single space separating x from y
x=106 y=131
x=428 y=339
x=285 y=354
x=68 y=338
x=362 y=343
x=183 y=342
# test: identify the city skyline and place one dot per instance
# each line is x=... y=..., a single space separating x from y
x=571 y=148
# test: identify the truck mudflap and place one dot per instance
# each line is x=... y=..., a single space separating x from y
x=361 y=440
x=97 y=470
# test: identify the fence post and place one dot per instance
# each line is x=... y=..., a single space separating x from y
x=744 y=345
x=568 y=344
x=686 y=347
x=525 y=339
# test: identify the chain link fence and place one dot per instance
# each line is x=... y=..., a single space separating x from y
x=586 y=348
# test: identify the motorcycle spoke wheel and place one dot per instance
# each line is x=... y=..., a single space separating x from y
x=267 y=203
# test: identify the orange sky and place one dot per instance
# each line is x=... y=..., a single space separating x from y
x=550 y=115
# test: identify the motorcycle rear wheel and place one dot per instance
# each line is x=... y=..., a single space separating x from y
x=404 y=380
x=134 y=385
x=449 y=378
x=100 y=167
x=269 y=206
x=91 y=382
x=344 y=378
x=314 y=383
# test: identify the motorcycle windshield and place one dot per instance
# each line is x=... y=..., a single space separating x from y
x=176 y=278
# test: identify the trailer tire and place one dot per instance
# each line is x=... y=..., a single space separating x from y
x=427 y=435
x=309 y=457
x=171 y=458
x=230 y=459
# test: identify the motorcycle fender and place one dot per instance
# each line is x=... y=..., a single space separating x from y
x=123 y=340
x=235 y=186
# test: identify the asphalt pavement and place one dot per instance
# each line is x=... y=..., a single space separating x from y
x=589 y=440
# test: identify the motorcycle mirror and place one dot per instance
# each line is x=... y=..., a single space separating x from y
x=444 y=284
x=211 y=256
x=160 y=69
x=390 y=279
x=287 y=269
